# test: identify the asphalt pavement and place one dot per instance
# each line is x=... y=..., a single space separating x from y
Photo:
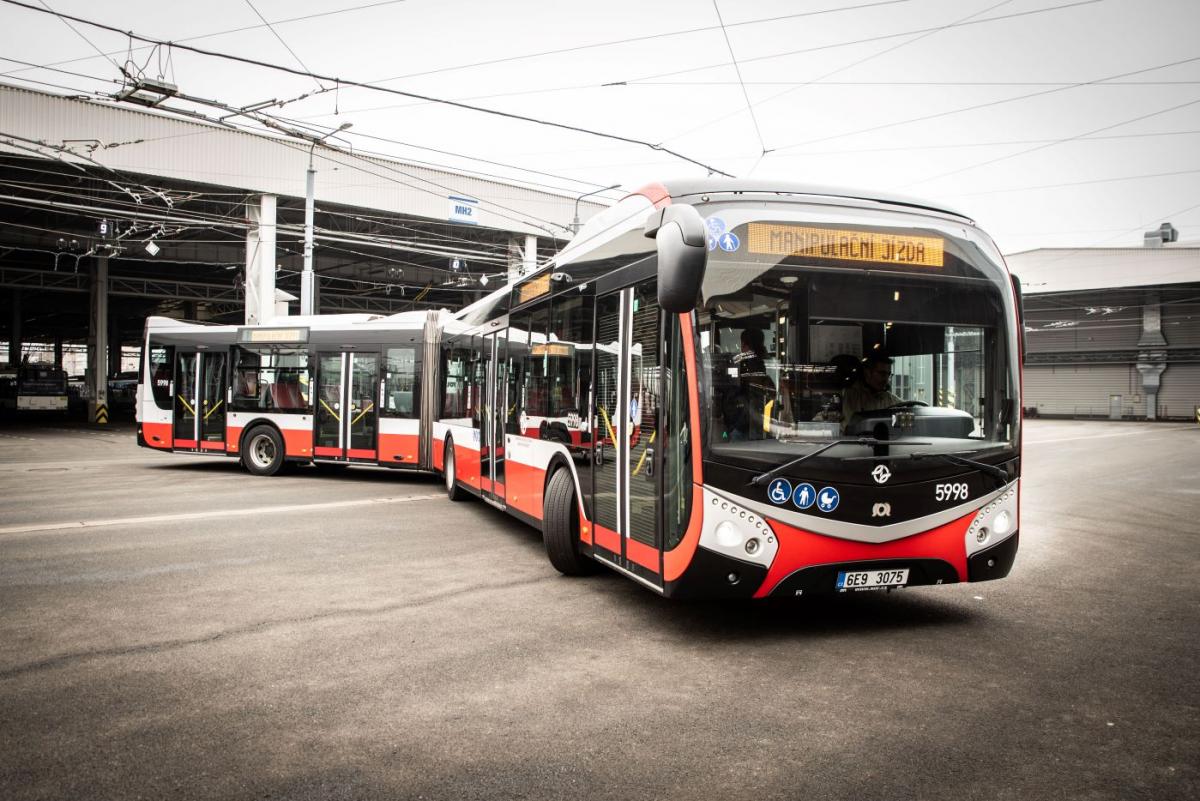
x=172 y=627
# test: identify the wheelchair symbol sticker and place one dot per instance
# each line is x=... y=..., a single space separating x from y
x=716 y=226
x=779 y=491
x=827 y=499
x=804 y=496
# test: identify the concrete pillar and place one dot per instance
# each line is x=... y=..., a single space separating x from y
x=98 y=344
x=58 y=351
x=260 y=261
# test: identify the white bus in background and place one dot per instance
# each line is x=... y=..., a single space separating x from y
x=331 y=389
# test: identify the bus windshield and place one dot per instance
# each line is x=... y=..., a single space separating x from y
x=811 y=333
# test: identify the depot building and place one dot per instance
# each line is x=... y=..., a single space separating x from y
x=1113 y=332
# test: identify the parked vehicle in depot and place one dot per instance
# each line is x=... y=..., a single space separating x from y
x=33 y=388
x=333 y=389
x=122 y=389
x=748 y=389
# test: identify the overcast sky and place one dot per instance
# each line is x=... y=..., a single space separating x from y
x=1051 y=122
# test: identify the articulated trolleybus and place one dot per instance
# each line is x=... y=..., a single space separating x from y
x=330 y=389
x=737 y=389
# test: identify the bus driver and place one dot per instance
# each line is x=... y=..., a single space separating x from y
x=870 y=391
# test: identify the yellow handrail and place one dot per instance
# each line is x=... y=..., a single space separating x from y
x=187 y=405
x=645 y=453
x=336 y=416
x=209 y=413
x=370 y=406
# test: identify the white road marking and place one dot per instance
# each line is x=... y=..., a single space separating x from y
x=259 y=510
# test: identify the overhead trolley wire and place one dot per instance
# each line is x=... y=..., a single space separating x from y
x=388 y=90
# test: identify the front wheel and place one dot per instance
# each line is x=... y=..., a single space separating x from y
x=262 y=453
x=453 y=491
x=560 y=527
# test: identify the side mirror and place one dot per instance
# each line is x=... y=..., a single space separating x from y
x=682 y=255
x=1016 y=285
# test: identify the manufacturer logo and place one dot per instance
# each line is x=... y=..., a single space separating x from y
x=827 y=499
x=804 y=496
x=779 y=491
x=881 y=510
x=881 y=474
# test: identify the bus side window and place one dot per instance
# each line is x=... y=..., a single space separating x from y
x=160 y=375
x=401 y=383
x=677 y=461
x=455 y=364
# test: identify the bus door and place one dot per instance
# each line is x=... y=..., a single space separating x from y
x=494 y=418
x=347 y=409
x=627 y=489
x=199 y=400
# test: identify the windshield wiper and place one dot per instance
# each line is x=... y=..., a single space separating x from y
x=998 y=473
x=762 y=478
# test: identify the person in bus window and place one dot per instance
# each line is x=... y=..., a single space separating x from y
x=871 y=391
x=746 y=407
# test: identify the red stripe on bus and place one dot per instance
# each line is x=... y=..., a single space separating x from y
x=233 y=436
x=158 y=435
x=361 y=453
x=644 y=555
x=298 y=442
x=439 y=455
x=656 y=193
x=676 y=560
x=320 y=450
x=212 y=446
x=185 y=443
x=398 y=448
x=466 y=466
x=608 y=539
x=799 y=549
x=524 y=485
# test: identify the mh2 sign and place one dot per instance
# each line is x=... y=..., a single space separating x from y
x=464 y=210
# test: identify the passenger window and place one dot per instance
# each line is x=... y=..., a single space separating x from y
x=402 y=383
x=456 y=363
x=271 y=380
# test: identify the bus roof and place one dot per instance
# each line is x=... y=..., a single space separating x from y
x=687 y=187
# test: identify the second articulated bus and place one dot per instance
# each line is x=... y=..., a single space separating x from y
x=695 y=393
x=328 y=390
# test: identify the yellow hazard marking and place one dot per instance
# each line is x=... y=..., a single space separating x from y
x=370 y=406
x=767 y=415
x=209 y=413
x=607 y=424
x=101 y=413
x=336 y=416
x=645 y=453
x=187 y=405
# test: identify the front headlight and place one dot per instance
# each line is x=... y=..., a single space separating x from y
x=995 y=521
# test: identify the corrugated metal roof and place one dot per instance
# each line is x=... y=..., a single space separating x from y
x=1077 y=269
x=155 y=144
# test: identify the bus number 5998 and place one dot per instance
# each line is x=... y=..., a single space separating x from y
x=950 y=492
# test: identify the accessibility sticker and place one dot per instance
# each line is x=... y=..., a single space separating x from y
x=804 y=496
x=716 y=226
x=827 y=499
x=779 y=491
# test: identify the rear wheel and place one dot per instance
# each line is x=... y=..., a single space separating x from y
x=453 y=491
x=560 y=526
x=262 y=451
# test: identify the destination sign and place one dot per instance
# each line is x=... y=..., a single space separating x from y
x=773 y=239
x=533 y=288
x=262 y=336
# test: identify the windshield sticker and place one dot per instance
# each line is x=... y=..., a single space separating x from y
x=716 y=226
x=712 y=243
x=828 y=499
x=780 y=491
x=804 y=496
x=729 y=242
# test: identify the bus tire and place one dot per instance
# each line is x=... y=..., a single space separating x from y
x=262 y=451
x=453 y=491
x=560 y=526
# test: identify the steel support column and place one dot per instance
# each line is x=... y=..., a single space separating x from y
x=98 y=344
x=260 y=261
x=14 y=331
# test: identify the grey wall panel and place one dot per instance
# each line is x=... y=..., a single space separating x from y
x=1181 y=323
x=1179 y=394
x=1084 y=390
x=1054 y=331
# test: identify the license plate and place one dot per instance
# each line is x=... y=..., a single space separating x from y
x=871 y=579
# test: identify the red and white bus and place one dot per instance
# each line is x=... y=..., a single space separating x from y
x=334 y=389
x=695 y=394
